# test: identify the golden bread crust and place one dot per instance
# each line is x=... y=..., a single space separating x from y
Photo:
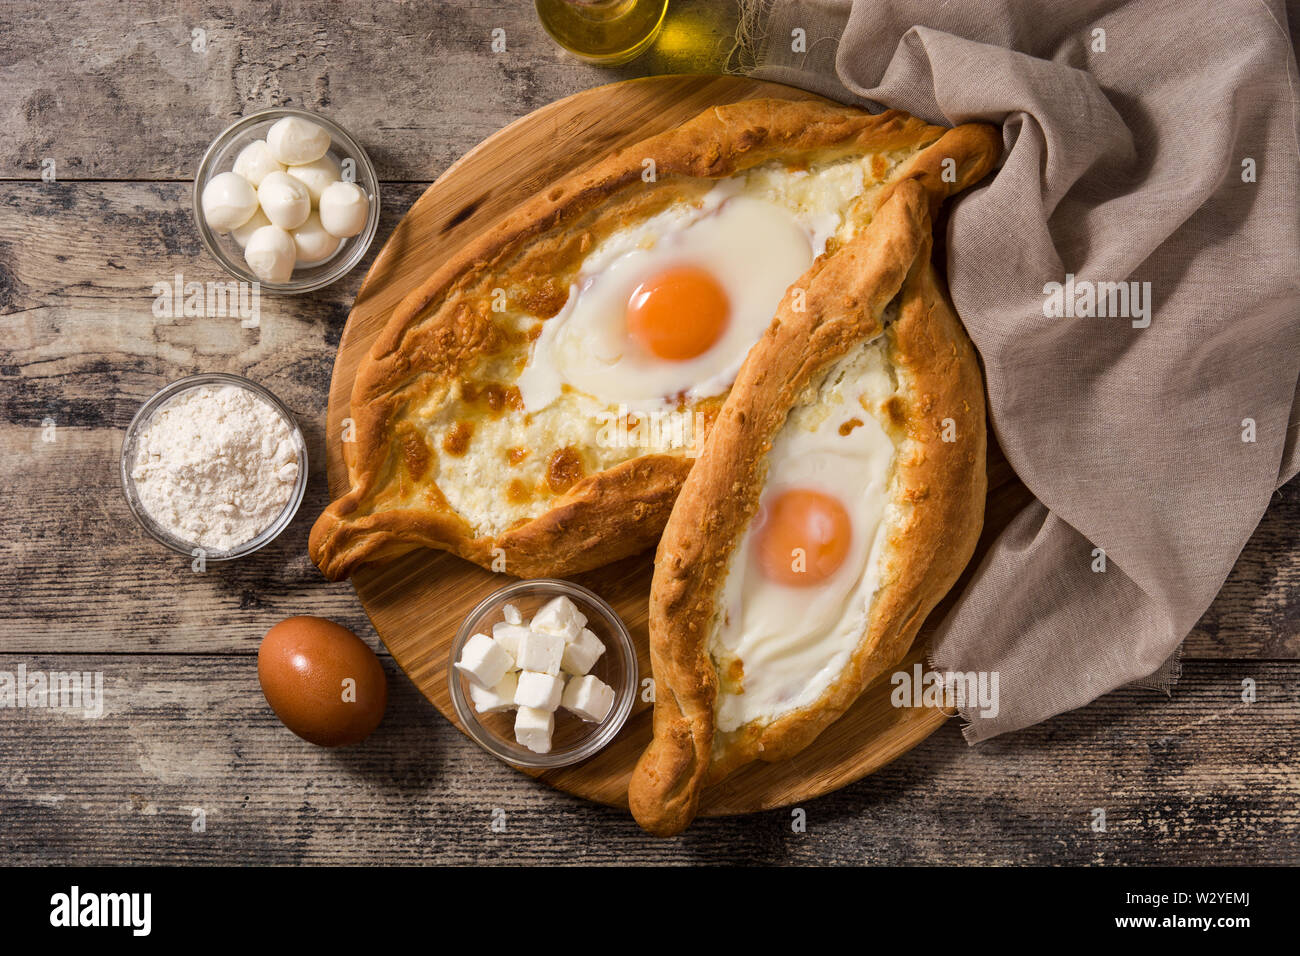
x=443 y=330
x=939 y=497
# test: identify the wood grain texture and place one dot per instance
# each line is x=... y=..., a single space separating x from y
x=81 y=347
x=112 y=91
x=418 y=82
x=1199 y=777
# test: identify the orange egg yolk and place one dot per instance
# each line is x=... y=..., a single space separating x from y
x=678 y=314
x=804 y=537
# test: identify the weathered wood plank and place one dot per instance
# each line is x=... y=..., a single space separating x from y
x=82 y=348
x=79 y=262
x=1257 y=614
x=1199 y=777
x=417 y=83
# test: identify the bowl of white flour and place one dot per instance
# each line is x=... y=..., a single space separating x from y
x=214 y=466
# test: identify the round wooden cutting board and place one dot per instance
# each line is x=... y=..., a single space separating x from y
x=417 y=602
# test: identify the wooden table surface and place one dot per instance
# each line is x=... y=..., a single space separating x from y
x=120 y=100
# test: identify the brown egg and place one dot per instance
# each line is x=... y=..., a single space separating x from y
x=322 y=681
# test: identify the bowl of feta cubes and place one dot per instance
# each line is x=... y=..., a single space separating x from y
x=543 y=673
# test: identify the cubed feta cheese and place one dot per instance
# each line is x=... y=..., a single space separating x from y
x=508 y=636
x=533 y=729
x=484 y=661
x=539 y=651
x=539 y=690
x=512 y=615
x=499 y=698
x=581 y=653
x=559 y=616
x=589 y=697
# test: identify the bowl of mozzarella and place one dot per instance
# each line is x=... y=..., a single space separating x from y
x=287 y=198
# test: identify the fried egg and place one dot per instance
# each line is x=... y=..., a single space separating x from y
x=803 y=576
x=666 y=311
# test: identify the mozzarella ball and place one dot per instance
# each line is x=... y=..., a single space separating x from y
x=294 y=141
x=241 y=234
x=255 y=161
x=316 y=175
x=313 y=243
x=285 y=200
x=270 y=253
x=228 y=201
x=343 y=209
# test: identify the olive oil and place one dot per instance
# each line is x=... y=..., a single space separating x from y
x=605 y=32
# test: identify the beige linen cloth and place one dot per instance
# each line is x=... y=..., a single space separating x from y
x=1129 y=155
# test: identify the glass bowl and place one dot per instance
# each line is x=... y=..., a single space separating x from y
x=574 y=740
x=220 y=158
x=127 y=464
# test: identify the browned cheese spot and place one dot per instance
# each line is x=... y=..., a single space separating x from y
x=545 y=297
x=434 y=498
x=851 y=424
x=563 y=469
x=456 y=441
x=414 y=451
x=518 y=493
x=493 y=395
x=895 y=410
x=735 y=676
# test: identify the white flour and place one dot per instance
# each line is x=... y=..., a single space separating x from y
x=215 y=466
